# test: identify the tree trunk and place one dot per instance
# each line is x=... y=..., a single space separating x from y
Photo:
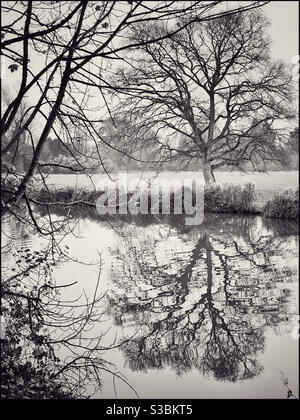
x=208 y=173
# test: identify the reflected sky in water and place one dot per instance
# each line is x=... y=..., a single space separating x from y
x=202 y=298
x=206 y=311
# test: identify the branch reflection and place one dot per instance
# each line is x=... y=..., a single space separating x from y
x=202 y=297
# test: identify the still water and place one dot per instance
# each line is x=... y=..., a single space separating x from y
x=204 y=311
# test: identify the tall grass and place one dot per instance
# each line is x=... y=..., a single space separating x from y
x=230 y=198
x=222 y=199
x=238 y=199
x=67 y=195
x=283 y=205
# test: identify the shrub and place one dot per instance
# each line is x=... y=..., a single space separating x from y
x=230 y=198
x=67 y=195
x=223 y=199
x=283 y=205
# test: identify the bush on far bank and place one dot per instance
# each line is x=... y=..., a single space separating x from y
x=218 y=198
x=230 y=198
x=283 y=205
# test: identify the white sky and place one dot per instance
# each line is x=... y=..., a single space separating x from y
x=284 y=29
x=284 y=33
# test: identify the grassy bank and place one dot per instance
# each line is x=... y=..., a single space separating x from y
x=283 y=206
x=233 y=199
x=65 y=196
x=230 y=198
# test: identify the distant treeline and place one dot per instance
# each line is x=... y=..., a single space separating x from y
x=58 y=152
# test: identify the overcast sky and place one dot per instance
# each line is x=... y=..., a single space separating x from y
x=284 y=29
x=284 y=33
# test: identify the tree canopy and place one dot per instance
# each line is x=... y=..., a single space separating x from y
x=211 y=92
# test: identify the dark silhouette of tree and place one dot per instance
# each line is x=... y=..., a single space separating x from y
x=65 y=51
x=211 y=93
x=293 y=149
x=200 y=299
x=52 y=348
x=294 y=140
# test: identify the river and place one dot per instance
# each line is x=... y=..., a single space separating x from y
x=205 y=311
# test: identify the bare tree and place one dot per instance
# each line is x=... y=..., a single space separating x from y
x=14 y=159
x=64 y=52
x=53 y=347
x=194 y=308
x=211 y=92
x=61 y=55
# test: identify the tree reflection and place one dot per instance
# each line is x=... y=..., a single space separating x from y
x=193 y=299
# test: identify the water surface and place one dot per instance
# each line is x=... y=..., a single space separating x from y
x=205 y=311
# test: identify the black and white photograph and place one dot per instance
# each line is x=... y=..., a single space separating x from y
x=149 y=203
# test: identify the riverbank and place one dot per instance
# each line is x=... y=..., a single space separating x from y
x=226 y=198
